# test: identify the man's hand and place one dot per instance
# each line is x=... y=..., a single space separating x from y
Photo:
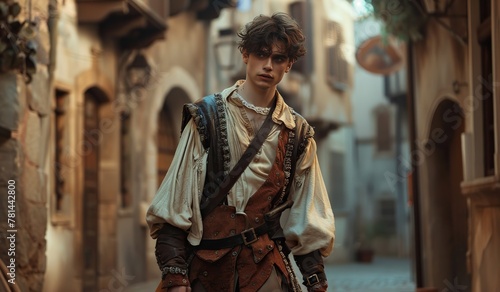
x=164 y=287
x=319 y=287
x=179 y=289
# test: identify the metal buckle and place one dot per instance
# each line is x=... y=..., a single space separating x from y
x=313 y=279
x=249 y=236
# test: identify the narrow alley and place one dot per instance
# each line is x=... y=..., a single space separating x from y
x=386 y=141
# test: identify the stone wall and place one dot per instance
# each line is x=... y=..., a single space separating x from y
x=25 y=110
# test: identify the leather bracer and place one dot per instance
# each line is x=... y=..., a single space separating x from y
x=313 y=271
x=172 y=251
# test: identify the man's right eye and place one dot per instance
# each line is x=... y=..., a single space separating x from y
x=262 y=54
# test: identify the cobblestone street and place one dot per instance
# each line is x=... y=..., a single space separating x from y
x=383 y=275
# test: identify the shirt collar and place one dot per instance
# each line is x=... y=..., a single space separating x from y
x=282 y=113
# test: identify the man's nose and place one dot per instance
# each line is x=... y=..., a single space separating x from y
x=268 y=65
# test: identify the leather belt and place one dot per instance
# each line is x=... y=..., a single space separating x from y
x=246 y=237
x=250 y=235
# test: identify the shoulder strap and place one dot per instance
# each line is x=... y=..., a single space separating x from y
x=210 y=201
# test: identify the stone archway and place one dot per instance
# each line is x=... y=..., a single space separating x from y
x=447 y=207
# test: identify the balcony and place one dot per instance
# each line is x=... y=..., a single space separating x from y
x=134 y=24
x=137 y=24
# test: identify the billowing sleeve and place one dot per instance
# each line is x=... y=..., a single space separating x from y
x=177 y=200
x=310 y=223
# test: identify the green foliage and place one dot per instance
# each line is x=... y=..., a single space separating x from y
x=403 y=19
x=17 y=50
x=372 y=230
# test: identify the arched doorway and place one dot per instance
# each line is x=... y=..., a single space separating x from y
x=166 y=142
x=169 y=120
x=90 y=205
x=448 y=216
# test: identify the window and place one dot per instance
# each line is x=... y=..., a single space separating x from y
x=60 y=116
x=384 y=134
x=298 y=12
x=59 y=201
x=484 y=38
x=90 y=204
x=337 y=68
x=386 y=217
x=126 y=198
x=166 y=142
x=337 y=181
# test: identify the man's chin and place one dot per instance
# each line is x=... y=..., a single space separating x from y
x=265 y=84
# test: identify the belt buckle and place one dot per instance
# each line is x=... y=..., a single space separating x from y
x=249 y=236
x=313 y=279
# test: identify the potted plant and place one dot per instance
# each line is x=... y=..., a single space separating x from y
x=364 y=251
x=402 y=19
x=17 y=49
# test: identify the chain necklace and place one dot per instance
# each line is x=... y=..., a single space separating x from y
x=260 y=110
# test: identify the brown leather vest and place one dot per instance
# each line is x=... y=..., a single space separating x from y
x=215 y=269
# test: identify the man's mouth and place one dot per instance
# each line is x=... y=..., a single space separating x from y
x=267 y=76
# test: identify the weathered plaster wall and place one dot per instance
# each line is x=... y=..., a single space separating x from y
x=440 y=60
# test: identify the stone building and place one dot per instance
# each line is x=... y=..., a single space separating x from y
x=455 y=145
x=89 y=139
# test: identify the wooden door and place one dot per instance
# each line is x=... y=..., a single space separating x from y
x=166 y=142
x=90 y=153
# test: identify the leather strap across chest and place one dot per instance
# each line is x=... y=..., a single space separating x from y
x=211 y=200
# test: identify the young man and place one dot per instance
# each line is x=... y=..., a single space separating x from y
x=220 y=232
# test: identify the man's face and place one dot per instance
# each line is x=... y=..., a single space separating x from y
x=266 y=68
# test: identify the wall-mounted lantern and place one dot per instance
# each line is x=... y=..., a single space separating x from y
x=137 y=73
x=226 y=49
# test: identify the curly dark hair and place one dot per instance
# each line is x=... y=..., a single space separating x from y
x=263 y=31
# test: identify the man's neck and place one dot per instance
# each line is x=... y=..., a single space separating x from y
x=256 y=96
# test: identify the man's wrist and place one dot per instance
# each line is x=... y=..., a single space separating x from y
x=172 y=270
x=316 y=280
